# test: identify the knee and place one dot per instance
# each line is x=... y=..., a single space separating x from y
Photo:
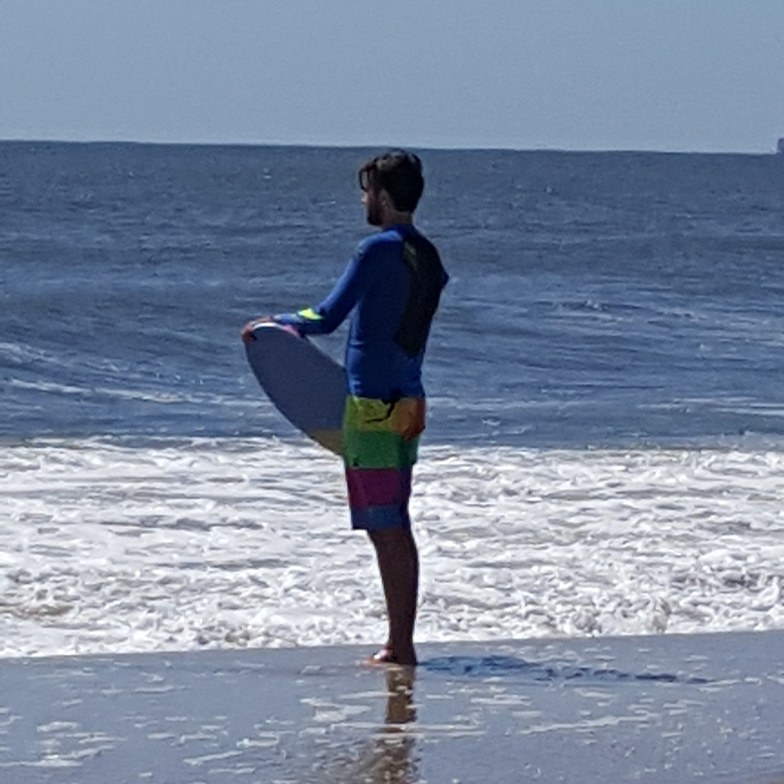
x=392 y=538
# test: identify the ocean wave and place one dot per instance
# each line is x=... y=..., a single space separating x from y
x=112 y=545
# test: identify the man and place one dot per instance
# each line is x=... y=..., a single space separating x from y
x=392 y=287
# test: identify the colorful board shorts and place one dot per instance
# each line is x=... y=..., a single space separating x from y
x=380 y=446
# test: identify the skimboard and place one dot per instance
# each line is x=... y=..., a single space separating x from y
x=303 y=383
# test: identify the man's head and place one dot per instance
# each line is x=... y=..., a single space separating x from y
x=392 y=185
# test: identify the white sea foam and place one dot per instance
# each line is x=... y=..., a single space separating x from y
x=108 y=546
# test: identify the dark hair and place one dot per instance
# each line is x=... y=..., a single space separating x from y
x=399 y=173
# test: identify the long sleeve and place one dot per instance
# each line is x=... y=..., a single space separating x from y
x=330 y=314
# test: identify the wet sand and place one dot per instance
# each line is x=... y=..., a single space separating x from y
x=652 y=709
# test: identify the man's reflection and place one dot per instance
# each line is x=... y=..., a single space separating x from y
x=389 y=757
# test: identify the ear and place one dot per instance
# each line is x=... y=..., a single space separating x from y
x=384 y=199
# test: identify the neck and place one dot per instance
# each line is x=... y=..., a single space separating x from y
x=396 y=218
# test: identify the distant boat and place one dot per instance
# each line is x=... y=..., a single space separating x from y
x=780 y=146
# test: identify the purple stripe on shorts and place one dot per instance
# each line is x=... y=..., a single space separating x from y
x=377 y=486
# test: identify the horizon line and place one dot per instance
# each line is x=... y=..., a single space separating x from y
x=364 y=146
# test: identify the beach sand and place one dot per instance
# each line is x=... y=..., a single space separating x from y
x=653 y=709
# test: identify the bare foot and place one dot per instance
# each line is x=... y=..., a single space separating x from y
x=387 y=656
x=382 y=656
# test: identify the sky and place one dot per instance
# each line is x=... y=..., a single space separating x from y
x=679 y=75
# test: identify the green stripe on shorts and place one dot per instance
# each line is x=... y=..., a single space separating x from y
x=369 y=440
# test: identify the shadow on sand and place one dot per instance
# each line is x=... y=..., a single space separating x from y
x=543 y=672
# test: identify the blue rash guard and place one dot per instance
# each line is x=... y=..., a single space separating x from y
x=392 y=284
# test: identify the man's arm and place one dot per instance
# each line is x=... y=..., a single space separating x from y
x=331 y=313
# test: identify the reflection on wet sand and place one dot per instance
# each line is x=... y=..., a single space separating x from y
x=388 y=756
x=658 y=709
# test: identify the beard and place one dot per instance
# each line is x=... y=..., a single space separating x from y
x=373 y=213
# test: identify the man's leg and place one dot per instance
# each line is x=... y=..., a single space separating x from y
x=398 y=562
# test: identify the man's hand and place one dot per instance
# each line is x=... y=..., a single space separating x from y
x=408 y=417
x=247 y=330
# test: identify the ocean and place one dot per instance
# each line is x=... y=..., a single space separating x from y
x=605 y=450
